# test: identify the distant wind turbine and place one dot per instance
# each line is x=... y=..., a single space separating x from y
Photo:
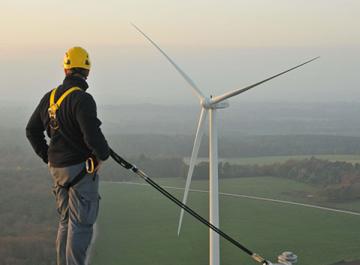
x=209 y=105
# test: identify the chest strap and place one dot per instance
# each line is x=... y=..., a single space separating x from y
x=54 y=106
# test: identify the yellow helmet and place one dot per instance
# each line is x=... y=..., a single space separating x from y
x=77 y=57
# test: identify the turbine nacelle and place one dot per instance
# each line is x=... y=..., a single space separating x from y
x=207 y=103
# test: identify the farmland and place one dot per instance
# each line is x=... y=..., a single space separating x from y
x=138 y=226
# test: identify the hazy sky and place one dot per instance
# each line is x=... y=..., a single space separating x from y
x=221 y=44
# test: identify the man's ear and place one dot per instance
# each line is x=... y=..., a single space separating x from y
x=67 y=71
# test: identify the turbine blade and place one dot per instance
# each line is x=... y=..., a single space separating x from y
x=194 y=154
x=180 y=71
x=230 y=94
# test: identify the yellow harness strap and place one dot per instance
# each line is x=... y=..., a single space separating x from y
x=54 y=106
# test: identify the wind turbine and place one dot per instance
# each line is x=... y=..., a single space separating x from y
x=209 y=105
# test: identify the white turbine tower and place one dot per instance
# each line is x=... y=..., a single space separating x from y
x=209 y=105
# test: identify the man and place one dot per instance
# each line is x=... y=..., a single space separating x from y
x=76 y=150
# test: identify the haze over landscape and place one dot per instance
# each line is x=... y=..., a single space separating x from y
x=223 y=45
x=294 y=139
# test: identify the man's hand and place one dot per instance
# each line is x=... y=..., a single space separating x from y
x=98 y=164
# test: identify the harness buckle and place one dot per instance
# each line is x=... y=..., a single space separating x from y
x=53 y=123
x=52 y=110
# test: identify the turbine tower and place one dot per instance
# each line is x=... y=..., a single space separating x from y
x=209 y=105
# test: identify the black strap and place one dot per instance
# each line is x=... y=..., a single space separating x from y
x=76 y=180
x=83 y=172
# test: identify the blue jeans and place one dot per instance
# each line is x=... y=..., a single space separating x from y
x=78 y=208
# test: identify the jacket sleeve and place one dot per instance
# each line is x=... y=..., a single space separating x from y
x=86 y=116
x=35 y=134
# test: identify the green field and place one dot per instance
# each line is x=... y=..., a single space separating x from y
x=262 y=160
x=138 y=226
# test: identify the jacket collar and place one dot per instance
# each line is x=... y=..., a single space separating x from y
x=71 y=81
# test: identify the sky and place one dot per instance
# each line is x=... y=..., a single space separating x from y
x=222 y=45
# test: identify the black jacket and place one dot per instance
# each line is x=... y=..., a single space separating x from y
x=78 y=120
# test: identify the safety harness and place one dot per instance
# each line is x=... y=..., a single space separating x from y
x=54 y=106
x=55 y=126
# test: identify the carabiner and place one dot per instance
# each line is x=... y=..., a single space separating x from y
x=90 y=165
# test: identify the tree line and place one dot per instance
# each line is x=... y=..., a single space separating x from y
x=339 y=181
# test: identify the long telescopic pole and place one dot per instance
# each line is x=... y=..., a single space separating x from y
x=141 y=174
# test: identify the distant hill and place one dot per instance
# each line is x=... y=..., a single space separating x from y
x=242 y=118
x=13 y=141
